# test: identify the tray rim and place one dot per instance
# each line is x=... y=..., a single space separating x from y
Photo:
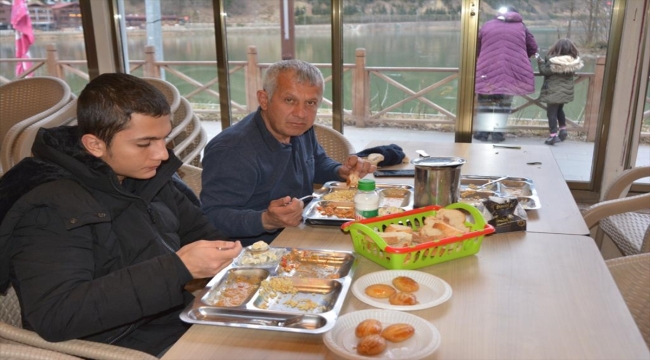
x=533 y=190
x=340 y=221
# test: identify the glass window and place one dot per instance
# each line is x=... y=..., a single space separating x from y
x=57 y=50
x=509 y=110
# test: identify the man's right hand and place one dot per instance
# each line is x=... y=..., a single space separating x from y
x=283 y=212
x=205 y=258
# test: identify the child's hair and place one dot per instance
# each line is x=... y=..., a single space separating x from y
x=106 y=104
x=563 y=47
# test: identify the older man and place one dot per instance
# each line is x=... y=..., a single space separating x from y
x=254 y=171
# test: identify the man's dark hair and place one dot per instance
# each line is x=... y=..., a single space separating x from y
x=106 y=104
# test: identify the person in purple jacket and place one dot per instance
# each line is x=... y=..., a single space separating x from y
x=503 y=68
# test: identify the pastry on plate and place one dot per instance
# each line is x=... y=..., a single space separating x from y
x=402 y=298
x=398 y=332
x=405 y=284
x=371 y=345
x=380 y=291
x=368 y=327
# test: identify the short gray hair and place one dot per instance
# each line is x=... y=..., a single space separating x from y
x=306 y=73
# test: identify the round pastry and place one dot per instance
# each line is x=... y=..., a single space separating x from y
x=402 y=298
x=380 y=291
x=371 y=345
x=398 y=332
x=405 y=284
x=368 y=327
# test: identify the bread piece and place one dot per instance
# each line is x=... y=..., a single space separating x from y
x=402 y=298
x=428 y=230
x=405 y=284
x=398 y=332
x=371 y=345
x=393 y=238
x=398 y=228
x=453 y=217
x=380 y=291
x=448 y=230
x=368 y=327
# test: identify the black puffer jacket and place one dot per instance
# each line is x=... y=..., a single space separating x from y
x=91 y=258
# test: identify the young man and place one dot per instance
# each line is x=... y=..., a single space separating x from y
x=94 y=236
x=254 y=171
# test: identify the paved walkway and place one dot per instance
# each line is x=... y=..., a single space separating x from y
x=573 y=157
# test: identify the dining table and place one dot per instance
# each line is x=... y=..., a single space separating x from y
x=524 y=295
x=558 y=212
x=543 y=293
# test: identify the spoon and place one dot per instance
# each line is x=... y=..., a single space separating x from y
x=492 y=182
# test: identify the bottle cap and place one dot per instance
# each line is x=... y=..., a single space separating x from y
x=366 y=185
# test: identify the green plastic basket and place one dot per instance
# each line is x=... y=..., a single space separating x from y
x=367 y=243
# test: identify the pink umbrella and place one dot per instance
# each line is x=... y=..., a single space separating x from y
x=24 y=35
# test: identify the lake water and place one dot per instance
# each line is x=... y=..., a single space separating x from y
x=389 y=45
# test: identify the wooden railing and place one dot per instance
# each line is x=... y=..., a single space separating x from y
x=362 y=77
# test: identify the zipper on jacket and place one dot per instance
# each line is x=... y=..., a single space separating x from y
x=121 y=335
x=162 y=241
x=150 y=211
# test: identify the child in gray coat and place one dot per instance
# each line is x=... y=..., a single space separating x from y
x=558 y=67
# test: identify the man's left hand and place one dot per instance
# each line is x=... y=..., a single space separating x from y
x=355 y=164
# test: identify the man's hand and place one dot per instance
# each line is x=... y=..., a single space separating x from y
x=205 y=258
x=283 y=212
x=355 y=164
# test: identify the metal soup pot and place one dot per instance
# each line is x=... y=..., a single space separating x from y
x=437 y=180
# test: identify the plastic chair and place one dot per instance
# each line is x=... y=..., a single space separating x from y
x=26 y=101
x=632 y=276
x=168 y=89
x=19 y=140
x=11 y=332
x=618 y=215
x=333 y=142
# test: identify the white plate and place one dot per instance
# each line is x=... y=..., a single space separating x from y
x=343 y=342
x=433 y=290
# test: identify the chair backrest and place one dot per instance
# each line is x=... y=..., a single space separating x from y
x=18 y=144
x=188 y=137
x=10 y=308
x=615 y=201
x=191 y=175
x=333 y=142
x=31 y=98
x=632 y=276
x=26 y=352
x=168 y=89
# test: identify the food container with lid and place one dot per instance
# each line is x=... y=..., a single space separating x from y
x=437 y=180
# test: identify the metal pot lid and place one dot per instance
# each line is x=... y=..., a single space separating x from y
x=438 y=162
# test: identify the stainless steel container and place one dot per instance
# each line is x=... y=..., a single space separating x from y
x=437 y=180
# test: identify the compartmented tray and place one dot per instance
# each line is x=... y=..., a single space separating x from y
x=301 y=291
x=521 y=188
x=334 y=205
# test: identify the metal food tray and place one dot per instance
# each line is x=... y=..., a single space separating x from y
x=521 y=188
x=321 y=277
x=396 y=195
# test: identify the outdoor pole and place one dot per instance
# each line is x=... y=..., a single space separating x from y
x=288 y=32
x=154 y=30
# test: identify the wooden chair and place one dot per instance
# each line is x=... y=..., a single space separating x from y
x=621 y=217
x=11 y=332
x=26 y=101
x=168 y=89
x=632 y=276
x=333 y=142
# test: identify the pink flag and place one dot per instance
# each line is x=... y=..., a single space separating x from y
x=24 y=35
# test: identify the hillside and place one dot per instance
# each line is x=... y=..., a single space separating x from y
x=260 y=11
